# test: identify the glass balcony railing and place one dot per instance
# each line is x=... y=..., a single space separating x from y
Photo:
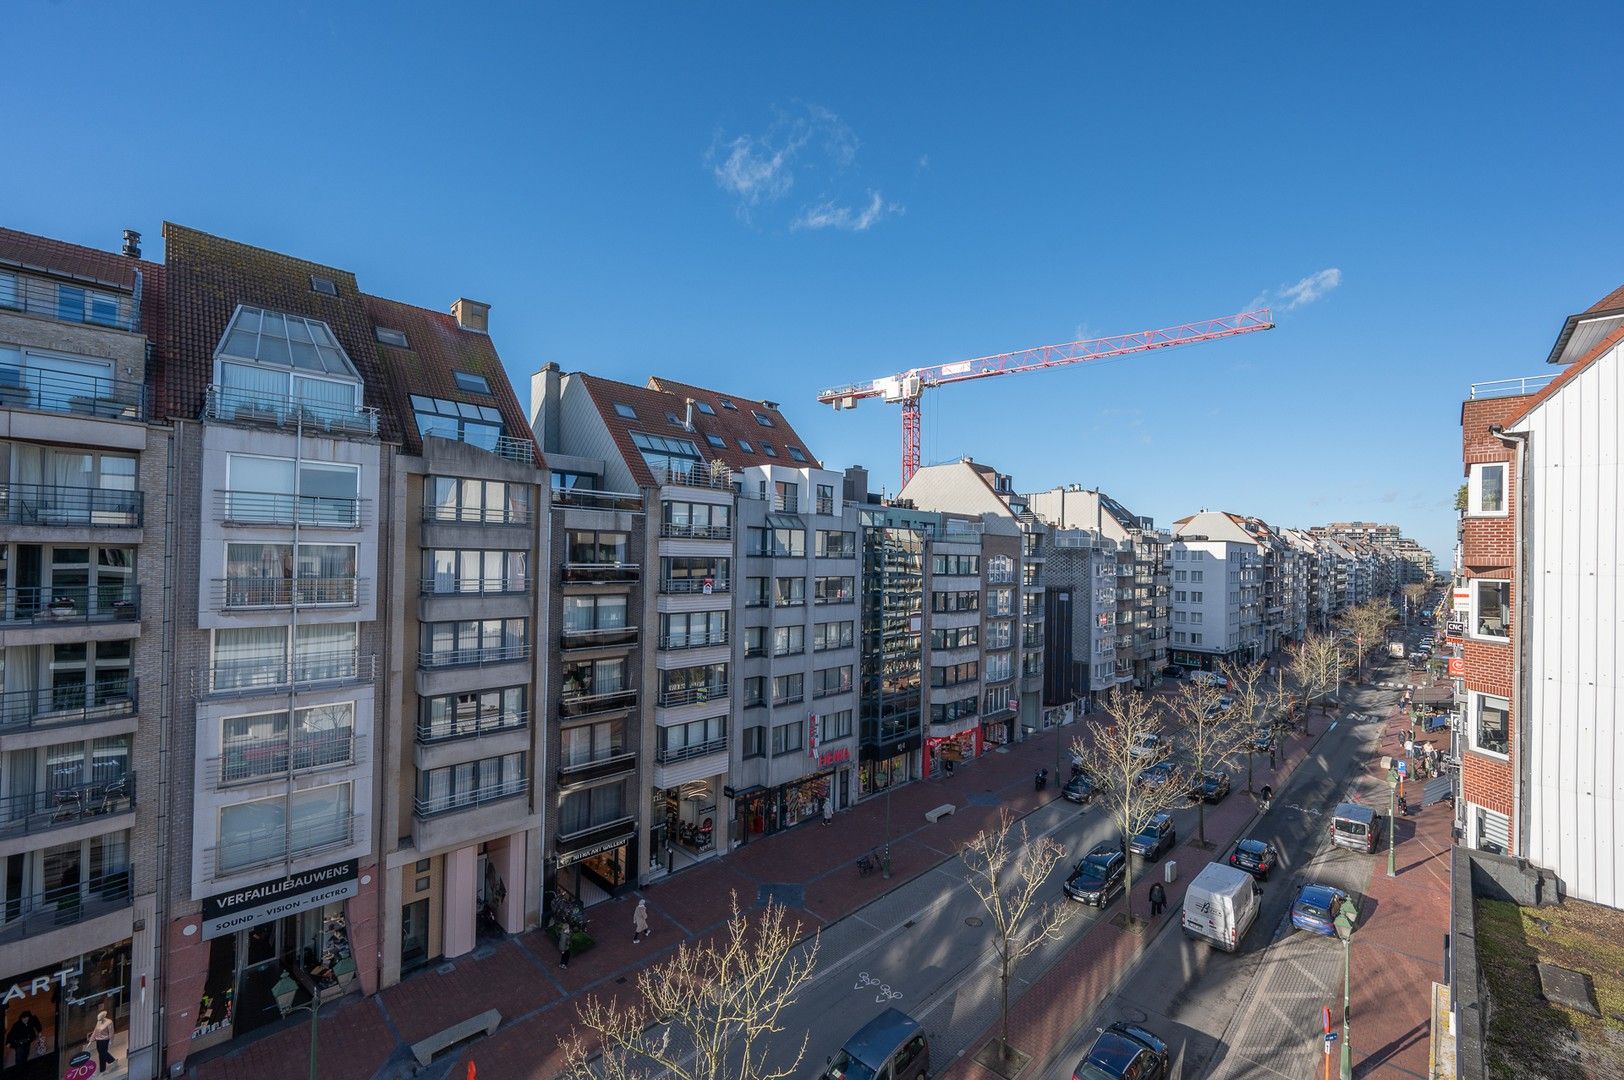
x=672 y=530
x=40 y=390
x=592 y=499
x=575 y=703
x=451 y=802
x=430 y=732
x=267 y=847
x=241 y=593
x=674 y=754
x=68 y=507
x=60 y=807
x=602 y=573
x=259 y=408
x=698 y=640
x=262 y=759
x=475 y=657
x=260 y=675
x=57 y=604
x=25 y=916
x=600 y=638
x=685 y=586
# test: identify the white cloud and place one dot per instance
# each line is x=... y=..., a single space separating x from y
x=830 y=215
x=1300 y=293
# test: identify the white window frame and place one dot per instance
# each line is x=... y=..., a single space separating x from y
x=1474 y=490
x=1471 y=614
x=1478 y=830
x=1474 y=701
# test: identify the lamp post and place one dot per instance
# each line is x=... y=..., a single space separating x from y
x=1392 y=807
x=885 y=853
x=284 y=992
x=1346 y=918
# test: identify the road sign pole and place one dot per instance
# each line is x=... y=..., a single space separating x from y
x=1392 y=821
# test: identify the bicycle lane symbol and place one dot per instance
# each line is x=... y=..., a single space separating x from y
x=885 y=993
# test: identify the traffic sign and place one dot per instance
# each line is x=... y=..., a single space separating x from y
x=1330 y=1037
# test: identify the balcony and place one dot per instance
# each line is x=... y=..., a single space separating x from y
x=1528 y=384
x=434 y=659
x=718 y=478
x=513 y=448
x=267 y=759
x=835 y=597
x=54 y=909
x=1000 y=577
x=608 y=637
x=825 y=505
x=678 y=754
x=61 y=604
x=432 y=734
x=691 y=586
x=281 y=508
x=452 y=585
x=692 y=695
x=75 y=703
x=617 y=760
x=249 y=593
x=254 y=851
x=694 y=641
x=590 y=499
x=424 y=807
x=90 y=305
x=42 y=811
x=256 y=675
x=61 y=506
x=674 y=531
x=258 y=408
x=589 y=704
x=619 y=573
x=39 y=390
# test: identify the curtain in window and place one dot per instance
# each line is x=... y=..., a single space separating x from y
x=326 y=651
x=251 y=834
x=321 y=816
x=249 y=387
x=328 y=399
x=250 y=656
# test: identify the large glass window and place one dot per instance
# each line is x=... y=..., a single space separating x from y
x=1491 y=724
x=474 y=641
x=685 y=630
x=685 y=686
x=1486 y=490
x=589 y=678
x=662 y=453
x=697 y=519
x=697 y=736
x=835 y=545
x=490 y=502
x=588 y=743
x=459 y=421
x=454 y=716
x=260 y=832
x=262 y=575
x=594 y=807
x=254 y=656
x=591 y=548
x=583 y=614
x=789 y=738
x=274 y=490
x=789 y=640
x=1491 y=609
x=789 y=591
x=834 y=590
x=257 y=746
x=835 y=680
x=447 y=571
x=783 y=542
x=832 y=635
x=470 y=783
x=788 y=689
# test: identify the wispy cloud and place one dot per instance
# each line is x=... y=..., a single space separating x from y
x=809 y=143
x=1300 y=293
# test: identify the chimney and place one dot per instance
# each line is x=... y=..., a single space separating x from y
x=472 y=315
x=545 y=396
x=773 y=405
x=132 y=244
x=688 y=415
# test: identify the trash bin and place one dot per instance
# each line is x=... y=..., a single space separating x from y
x=1170 y=871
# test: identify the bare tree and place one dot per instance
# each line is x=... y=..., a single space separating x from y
x=1109 y=759
x=1316 y=665
x=1006 y=870
x=1368 y=622
x=1214 y=736
x=710 y=1012
x=1414 y=593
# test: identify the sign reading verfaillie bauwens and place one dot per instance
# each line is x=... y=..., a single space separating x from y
x=271 y=899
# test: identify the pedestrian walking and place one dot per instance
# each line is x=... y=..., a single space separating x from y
x=1268 y=797
x=564 y=944
x=828 y=809
x=1409 y=747
x=640 y=921
x=1271 y=757
x=102 y=1036
x=1158 y=899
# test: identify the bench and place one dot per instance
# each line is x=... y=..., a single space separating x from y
x=483 y=1024
x=942 y=811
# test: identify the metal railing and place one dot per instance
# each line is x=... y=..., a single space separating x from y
x=264 y=759
x=686 y=586
x=238 y=593
x=591 y=499
x=434 y=513
x=718 y=477
x=73 y=302
x=75 y=703
x=591 y=704
x=24 y=916
x=1000 y=577
x=452 y=585
x=268 y=847
x=514 y=448
x=41 y=811
x=788 y=504
x=432 y=659
x=235 y=405
x=466 y=800
x=692 y=695
x=617 y=755
x=825 y=505
x=693 y=641
x=1527 y=384
x=686 y=753
x=602 y=573
x=671 y=530
x=429 y=732
x=56 y=604
x=67 y=506
x=282 y=508
x=254 y=675
x=68 y=392
x=837 y=597
x=789 y=601
x=604 y=638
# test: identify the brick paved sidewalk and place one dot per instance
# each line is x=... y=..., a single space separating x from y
x=370 y=1036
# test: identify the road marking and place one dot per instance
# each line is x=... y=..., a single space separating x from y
x=1332 y=728
x=865 y=980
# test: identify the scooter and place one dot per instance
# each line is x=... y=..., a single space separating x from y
x=1041 y=779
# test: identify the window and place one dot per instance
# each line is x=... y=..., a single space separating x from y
x=1493 y=831
x=943 y=602
x=680 y=741
x=999 y=667
x=74 y=304
x=257 y=746
x=9 y=296
x=795 y=453
x=1180 y=575
x=1195 y=639
x=755 y=690
x=783 y=541
x=1000 y=601
x=789 y=640
x=594 y=807
x=1197 y=575
x=767 y=448
x=998 y=700
x=835 y=680
x=834 y=590
x=836 y=725
x=762 y=419
x=686 y=686
x=789 y=738
x=473 y=384
x=323 y=285
x=962 y=637
x=705 y=408
x=591 y=678
x=447 y=571
x=491 y=502
x=590 y=548
x=262 y=575
x=1491 y=724
x=1491 y=609
x=277 y=340
x=473 y=641
x=755 y=592
x=726 y=404
x=1486 y=490
x=622 y=409
x=949 y=712
x=257 y=656
x=1195 y=616
x=259 y=832
x=744 y=444
x=585 y=614
x=663 y=453
x=387 y=336
x=456 y=716
x=673 y=419
x=787 y=496
x=688 y=573
x=716 y=441
x=788 y=689
x=1178 y=637
x=1178 y=596
x=835 y=545
x=960 y=565
x=789 y=591
x=1195 y=597
x=693 y=629
x=831 y=635
x=459 y=421
x=953 y=674
x=589 y=743
x=755 y=742
x=826 y=494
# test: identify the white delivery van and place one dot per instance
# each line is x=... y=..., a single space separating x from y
x=1220 y=905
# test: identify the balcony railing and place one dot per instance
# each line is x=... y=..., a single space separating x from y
x=1000 y=577
x=602 y=573
x=1528 y=384
x=607 y=637
x=699 y=475
x=452 y=585
x=265 y=759
x=93 y=305
x=431 y=659
x=515 y=448
x=692 y=695
x=40 y=811
x=67 y=392
x=575 y=770
x=75 y=703
x=267 y=847
x=689 y=586
x=69 y=604
x=66 y=506
x=258 y=408
x=282 y=508
x=693 y=641
x=694 y=750
x=835 y=597
x=671 y=530
x=588 y=704
x=254 y=675
x=450 y=803
x=25 y=916
x=240 y=593
x=825 y=504
x=430 y=732
x=591 y=499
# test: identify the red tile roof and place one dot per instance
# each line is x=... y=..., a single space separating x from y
x=437 y=348
x=1610 y=302
x=44 y=255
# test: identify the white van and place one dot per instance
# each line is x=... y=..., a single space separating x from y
x=1209 y=678
x=1221 y=905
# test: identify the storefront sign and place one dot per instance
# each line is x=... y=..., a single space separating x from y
x=587 y=852
x=812 y=735
x=233 y=911
x=39 y=984
x=1463 y=600
x=1457 y=667
x=835 y=757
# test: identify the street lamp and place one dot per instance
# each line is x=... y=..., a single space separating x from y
x=284 y=992
x=1346 y=918
x=885 y=855
x=1392 y=795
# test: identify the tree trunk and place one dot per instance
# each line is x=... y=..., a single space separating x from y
x=1201 y=807
x=1004 y=1050
x=1127 y=880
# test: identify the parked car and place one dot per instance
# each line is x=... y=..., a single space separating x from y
x=1098 y=876
x=1156 y=775
x=1255 y=857
x=1220 y=905
x=1172 y=671
x=893 y=1044
x=1263 y=740
x=1151 y=746
x=1156 y=838
x=1356 y=827
x=1079 y=789
x=1209 y=678
x=1211 y=787
x=1124 y=1052
x=1316 y=907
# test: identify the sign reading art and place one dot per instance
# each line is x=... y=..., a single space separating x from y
x=255 y=904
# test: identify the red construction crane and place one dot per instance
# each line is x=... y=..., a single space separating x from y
x=908 y=387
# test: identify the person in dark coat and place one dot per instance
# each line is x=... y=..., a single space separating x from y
x=20 y=1037
x=1158 y=899
x=564 y=934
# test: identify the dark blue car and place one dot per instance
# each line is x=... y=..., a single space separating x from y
x=1316 y=907
x=1124 y=1050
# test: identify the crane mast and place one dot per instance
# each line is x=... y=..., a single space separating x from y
x=907 y=388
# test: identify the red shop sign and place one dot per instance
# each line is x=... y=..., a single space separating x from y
x=835 y=757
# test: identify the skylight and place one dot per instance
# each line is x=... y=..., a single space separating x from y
x=671 y=418
x=285 y=341
x=795 y=452
x=763 y=420
x=664 y=452
x=323 y=285
x=726 y=404
x=474 y=384
x=716 y=441
x=462 y=421
x=390 y=337
x=744 y=444
x=622 y=409
x=705 y=408
x=767 y=448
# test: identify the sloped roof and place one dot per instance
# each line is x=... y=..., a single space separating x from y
x=735 y=425
x=1581 y=332
x=41 y=254
x=1554 y=387
x=436 y=349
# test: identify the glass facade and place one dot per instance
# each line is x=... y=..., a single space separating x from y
x=893 y=584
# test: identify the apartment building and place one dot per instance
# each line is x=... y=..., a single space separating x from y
x=1536 y=607
x=83 y=519
x=1217 y=570
x=1414 y=562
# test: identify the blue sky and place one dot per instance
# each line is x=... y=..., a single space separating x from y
x=774 y=198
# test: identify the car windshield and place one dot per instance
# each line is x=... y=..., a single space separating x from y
x=1090 y=1071
x=1352 y=828
x=846 y=1067
x=1251 y=847
x=1094 y=868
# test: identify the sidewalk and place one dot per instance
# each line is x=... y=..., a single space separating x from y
x=812 y=864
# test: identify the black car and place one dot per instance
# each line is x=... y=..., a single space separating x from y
x=1122 y=1051
x=1156 y=837
x=1098 y=876
x=1263 y=740
x=1079 y=789
x=1156 y=775
x=1255 y=857
x=1212 y=787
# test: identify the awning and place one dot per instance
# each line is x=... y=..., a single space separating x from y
x=785 y=521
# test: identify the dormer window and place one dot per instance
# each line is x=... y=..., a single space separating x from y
x=622 y=409
x=323 y=285
x=284 y=364
x=461 y=421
